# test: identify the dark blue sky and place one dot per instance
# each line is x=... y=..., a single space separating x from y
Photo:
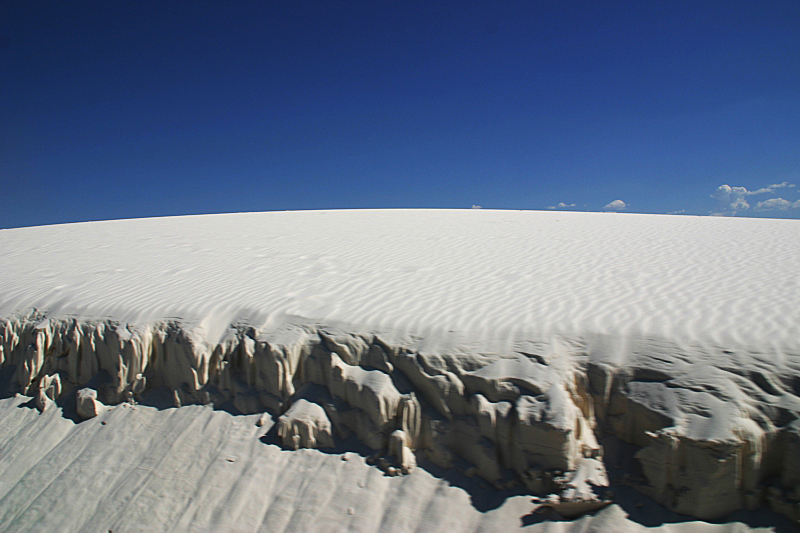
x=147 y=108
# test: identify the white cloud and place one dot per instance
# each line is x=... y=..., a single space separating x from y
x=773 y=203
x=762 y=190
x=732 y=199
x=616 y=205
x=770 y=188
x=560 y=205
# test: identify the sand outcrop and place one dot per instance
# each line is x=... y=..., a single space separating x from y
x=48 y=391
x=305 y=425
x=715 y=434
x=87 y=404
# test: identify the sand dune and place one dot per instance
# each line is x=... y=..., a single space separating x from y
x=482 y=272
x=509 y=346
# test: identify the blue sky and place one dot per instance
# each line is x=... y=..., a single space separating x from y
x=150 y=108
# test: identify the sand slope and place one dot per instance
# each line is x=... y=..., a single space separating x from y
x=194 y=469
x=506 y=345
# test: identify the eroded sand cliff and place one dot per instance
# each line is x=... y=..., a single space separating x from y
x=515 y=346
x=716 y=431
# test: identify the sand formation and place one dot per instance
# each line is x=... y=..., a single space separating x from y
x=716 y=423
x=716 y=434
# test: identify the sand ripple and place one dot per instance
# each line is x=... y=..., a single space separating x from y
x=476 y=272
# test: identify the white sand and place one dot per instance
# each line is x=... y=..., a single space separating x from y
x=479 y=272
x=199 y=470
x=504 y=340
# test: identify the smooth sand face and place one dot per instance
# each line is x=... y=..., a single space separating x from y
x=491 y=342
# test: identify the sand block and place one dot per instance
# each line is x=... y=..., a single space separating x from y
x=544 y=431
x=493 y=419
x=465 y=440
x=572 y=509
x=702 y=478
x=88 y=405
x=48 y=392
x=263 y=420
x=398 y=448
x=371 y=391
x=305 y=425
x=790 y=469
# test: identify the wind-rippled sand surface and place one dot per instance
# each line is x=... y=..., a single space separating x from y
x=484 y=273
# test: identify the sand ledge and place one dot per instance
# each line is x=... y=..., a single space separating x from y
x=718 y=431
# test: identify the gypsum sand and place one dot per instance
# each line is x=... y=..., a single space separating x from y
x=497 y=344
